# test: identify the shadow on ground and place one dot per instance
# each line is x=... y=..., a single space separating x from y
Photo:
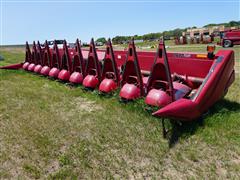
x=187 y=129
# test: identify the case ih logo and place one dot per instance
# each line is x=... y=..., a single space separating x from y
x=180 y=55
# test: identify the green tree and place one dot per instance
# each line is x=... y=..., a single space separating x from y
x=102 y=40
x=234 y=23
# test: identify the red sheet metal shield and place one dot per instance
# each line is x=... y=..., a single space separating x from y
x=160 y=86
x=47 y=60
x=66 y=65
x=110 y=73
x=38 y=58
x=32 y=64
x=92 y=71
x=78 y=65
x=28 y=57
x=132 y=83
x=55 y=65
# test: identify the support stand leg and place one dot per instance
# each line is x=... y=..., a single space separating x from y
x=164 y=129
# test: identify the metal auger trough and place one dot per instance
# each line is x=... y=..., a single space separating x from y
x=181 y=85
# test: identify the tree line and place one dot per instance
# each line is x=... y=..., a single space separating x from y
x=229 y=24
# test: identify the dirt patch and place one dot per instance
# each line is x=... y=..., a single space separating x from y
x=78 y=104
x=53 y=167
x=82 y=104
x=76 y=107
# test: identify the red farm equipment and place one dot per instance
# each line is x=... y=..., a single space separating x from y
x=66 y=64
x=180 y=40
x=93 y=68
x=47 y=61
x=28 y=56
x=34 y=62
x=56 y=62
x=37 y=58
x=110 y=72
x=181 y=85
x=131 y=82
x=78 y=65
x=161 y=88
x=230 y=38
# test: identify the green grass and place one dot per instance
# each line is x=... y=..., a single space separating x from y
x=52 y=130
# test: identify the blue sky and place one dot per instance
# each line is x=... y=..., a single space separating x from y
x=40 y=20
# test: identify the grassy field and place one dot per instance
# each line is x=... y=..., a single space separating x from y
x=51 y=130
